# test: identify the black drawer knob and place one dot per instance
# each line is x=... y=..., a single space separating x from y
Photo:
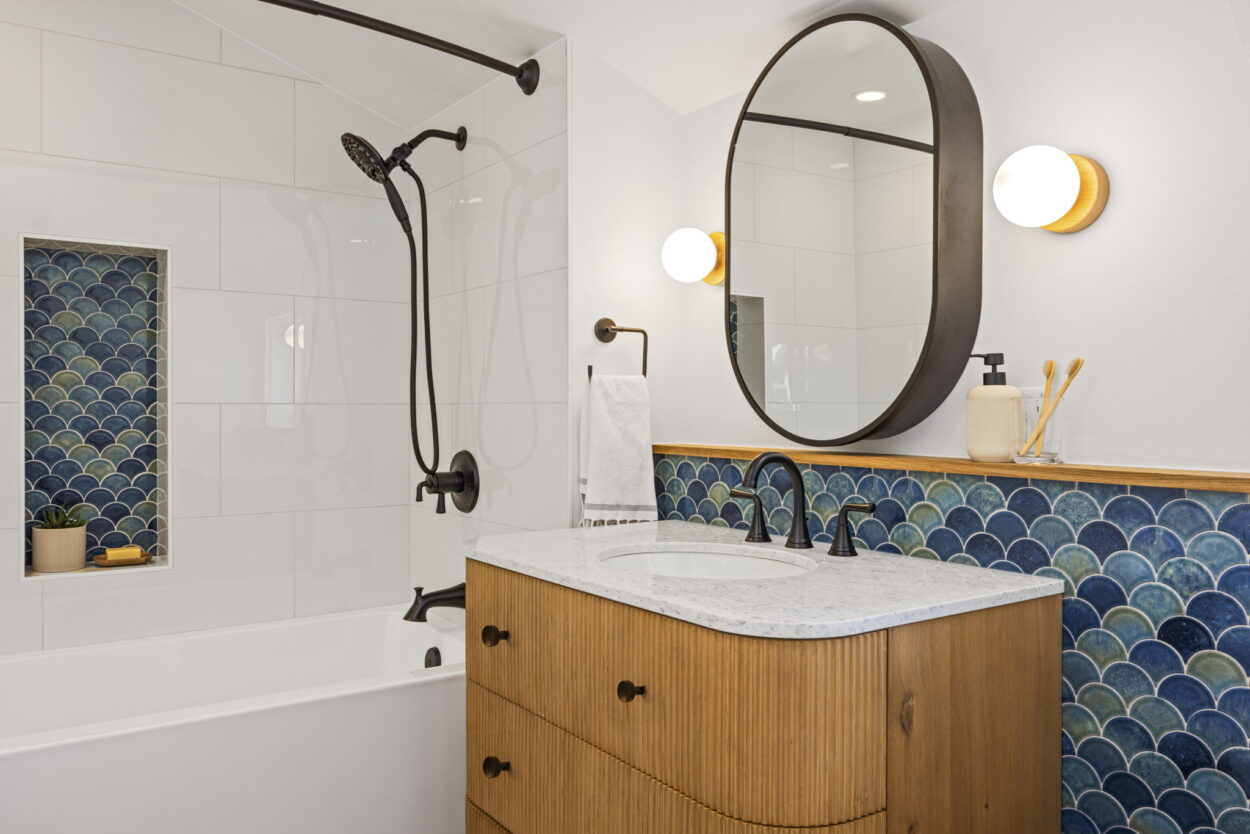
x=628 y=691
x=492 y=767
x=492 y=635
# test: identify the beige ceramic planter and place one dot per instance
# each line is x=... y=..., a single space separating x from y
x=57 y=551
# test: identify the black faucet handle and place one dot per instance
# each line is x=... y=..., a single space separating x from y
x=842 y=543
x=758 y=532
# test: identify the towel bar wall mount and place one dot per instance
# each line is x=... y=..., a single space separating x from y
x=606 y=330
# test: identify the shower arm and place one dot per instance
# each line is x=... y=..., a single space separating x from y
x=526 y=74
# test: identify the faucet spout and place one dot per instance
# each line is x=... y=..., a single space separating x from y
x=452 y=597
x=798 y=537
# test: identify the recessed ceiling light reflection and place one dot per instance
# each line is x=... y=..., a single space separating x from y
x=839 y=166
x=870 y=95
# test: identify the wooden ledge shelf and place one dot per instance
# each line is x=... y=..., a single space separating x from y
x=1083 y=473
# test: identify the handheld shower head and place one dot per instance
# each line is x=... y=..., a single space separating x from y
x=366 y=157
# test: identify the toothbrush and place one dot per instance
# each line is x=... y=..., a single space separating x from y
x=1048 y=368
x=1073 y=370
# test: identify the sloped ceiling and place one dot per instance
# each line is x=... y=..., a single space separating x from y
x=688 y=53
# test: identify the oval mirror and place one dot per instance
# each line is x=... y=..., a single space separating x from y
x=853 y=226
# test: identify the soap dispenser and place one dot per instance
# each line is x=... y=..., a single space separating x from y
x=995 y=415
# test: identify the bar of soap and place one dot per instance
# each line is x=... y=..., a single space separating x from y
x=130 y=551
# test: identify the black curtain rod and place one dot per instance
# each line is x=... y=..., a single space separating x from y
x=526 y=74
x=852 y=132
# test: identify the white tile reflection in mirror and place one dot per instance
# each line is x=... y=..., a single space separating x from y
x=811 y=364
x=348 y=559
x=825 y=154
x=742 y=200
x=825 y=289
x=805 y=211
x=894 y=286
x=766 y=271
x=233 y=347
x=765 y=144
x=883 y=212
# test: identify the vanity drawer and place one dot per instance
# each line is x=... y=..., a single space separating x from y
x=477 y=822
x=778 y=732
x=556 y=783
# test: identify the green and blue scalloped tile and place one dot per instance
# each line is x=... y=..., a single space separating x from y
x=94 y=393
x=1156 y=635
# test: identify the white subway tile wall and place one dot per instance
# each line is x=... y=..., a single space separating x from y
x=291 y=477
x=499 y=257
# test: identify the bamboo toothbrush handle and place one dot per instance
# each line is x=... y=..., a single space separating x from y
x=1041 y=439
x=1046 y=414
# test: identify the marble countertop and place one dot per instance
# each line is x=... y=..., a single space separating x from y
x=836 y=598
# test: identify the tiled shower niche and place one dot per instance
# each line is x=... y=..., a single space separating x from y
x=96 y=390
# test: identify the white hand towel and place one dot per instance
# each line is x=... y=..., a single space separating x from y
x=617 y=475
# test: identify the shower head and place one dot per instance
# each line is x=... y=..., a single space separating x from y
x=378 y=169
x=366 y=157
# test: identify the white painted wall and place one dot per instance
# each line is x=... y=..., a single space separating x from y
x=1153 y=295
x=138 y=121
x=624 y=200
x=499 y=260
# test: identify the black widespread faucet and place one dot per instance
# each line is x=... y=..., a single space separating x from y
x=452 y=597
x=798 y=537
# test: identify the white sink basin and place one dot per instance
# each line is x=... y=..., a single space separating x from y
x=694 y=561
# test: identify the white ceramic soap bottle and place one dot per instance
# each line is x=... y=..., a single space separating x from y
x=995 y=415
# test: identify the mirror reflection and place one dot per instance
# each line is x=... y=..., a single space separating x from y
x=831 y=230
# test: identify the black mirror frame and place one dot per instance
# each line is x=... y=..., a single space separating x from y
x=958 y=199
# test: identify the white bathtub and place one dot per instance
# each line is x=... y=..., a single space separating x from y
x=320 y=725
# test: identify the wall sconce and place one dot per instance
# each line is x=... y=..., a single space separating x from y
x=693 y=255
x=1043 y=187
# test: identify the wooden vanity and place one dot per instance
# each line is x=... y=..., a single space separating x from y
x=589 y=716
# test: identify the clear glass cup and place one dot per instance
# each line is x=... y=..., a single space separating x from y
x=1051 y=447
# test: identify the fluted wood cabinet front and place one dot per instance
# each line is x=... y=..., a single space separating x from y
x=615 y=719
x=476 y=821
x=559 y=784
x=751 y=727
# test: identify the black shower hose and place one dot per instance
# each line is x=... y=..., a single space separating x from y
x=414 y=328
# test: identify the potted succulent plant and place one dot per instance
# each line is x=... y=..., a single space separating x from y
x=59 y=542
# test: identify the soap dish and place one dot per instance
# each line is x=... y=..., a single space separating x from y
x=103 y=561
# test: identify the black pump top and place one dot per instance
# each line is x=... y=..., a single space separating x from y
x=994 y=376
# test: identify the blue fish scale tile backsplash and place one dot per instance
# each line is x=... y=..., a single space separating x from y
x=1156 y=636
x=95 y=421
